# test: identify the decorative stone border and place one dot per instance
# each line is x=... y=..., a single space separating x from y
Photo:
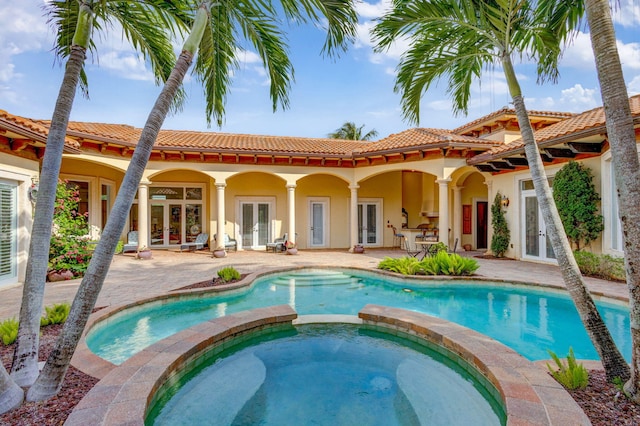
x=530 y=395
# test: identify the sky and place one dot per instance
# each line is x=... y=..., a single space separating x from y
x=326 y=92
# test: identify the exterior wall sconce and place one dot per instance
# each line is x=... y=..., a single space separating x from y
x=505 y=201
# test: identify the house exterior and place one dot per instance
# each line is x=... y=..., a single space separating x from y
x=326 y=193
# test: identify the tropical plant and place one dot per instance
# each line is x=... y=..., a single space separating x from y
x=501 y=234
x=403 y=265
x=458 y=39
x=55 y=314
x=215 y=33
x=577 y=200
x=443 y=263
x=571 y=375
x=350 y=131
x=626 y=165
x=69 y=248
x=144 y=25
x=9 y=331
x=229 y=274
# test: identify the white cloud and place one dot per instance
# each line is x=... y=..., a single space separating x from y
x=579 y=53
x=629 y=55
x=126 y=64
x=372 y=10
x=626 y=13
x=578 y=98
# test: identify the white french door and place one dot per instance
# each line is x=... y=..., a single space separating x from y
x=255 y=222
x=166 y=223
x=369 y=222
x=318 y=223
x=536 y=242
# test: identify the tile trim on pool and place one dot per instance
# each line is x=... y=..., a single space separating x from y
x=529 y=394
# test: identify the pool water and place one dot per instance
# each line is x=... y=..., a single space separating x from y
x=327 y=375
x=529 y=320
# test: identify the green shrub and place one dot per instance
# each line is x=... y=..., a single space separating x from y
x=442 y=263
x=228 y=274
x=69 y=249
x=403 y=265
x=9 y=331
x=501 y=234
x=56 y=314
x=119 y=247
x=571 y=375
x=601 y=266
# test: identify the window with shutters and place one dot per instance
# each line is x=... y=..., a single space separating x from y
x=8 y=232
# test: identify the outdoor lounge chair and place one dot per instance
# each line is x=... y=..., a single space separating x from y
x=202 y=239
x=132 y=242
x=410 y=252
x=229 y=243
x=277 y=244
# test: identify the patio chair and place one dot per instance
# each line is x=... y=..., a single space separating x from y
x=202 y=239
x=398 y=238
x=410 y=252
x=277 y=244
x=229 y=243
x=132 y=242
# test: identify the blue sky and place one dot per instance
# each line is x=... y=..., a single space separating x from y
x=356 y=87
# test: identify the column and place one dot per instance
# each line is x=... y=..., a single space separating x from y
x=291 y=202
x=457 y=214
x=219 y=242
x=143 y=214
x=353 y=217
x=490 y=197
x=443 y=210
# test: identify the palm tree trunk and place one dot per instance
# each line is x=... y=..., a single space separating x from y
x=24 y=369
x=50 y=380
x=613 y=362
x=626 y=165
x=11 y=395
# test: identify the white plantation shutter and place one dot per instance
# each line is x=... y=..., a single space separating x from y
x=8 y=231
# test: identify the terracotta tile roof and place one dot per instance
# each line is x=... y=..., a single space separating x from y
x=509 y=112
x=423 y=137
x=585 y=124
x=31 y=129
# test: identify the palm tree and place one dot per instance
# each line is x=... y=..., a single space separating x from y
x=350 y=131
x=457 y=39
x=626 y=166
x=215 y=34
x=76 y=21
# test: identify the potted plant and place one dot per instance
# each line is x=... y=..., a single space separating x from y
x=143 y=253
x=291 y=247
x=358 y=248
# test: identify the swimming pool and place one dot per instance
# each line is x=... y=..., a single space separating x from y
x=328 y=375
x=528 y=319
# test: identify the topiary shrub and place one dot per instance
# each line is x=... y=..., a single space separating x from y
x=501 y=234
x=228 y=274
x=577 y=201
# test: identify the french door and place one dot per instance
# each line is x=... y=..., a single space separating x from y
x=318 y=224
x=369 y=223
x=166 y=224
x=536 y=242
x=255 y=223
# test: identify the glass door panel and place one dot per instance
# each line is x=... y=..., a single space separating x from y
x=175 y=224
x=372 y=235
x=157 y=225
x=247 y=224
x=193 y=226
x=368 y=230
x=317 y=224
x=262 y=232
x=532 y=228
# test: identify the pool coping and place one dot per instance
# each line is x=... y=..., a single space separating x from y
x=529 y=394
x=88 y=362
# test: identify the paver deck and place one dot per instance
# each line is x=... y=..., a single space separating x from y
x=130 y=279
